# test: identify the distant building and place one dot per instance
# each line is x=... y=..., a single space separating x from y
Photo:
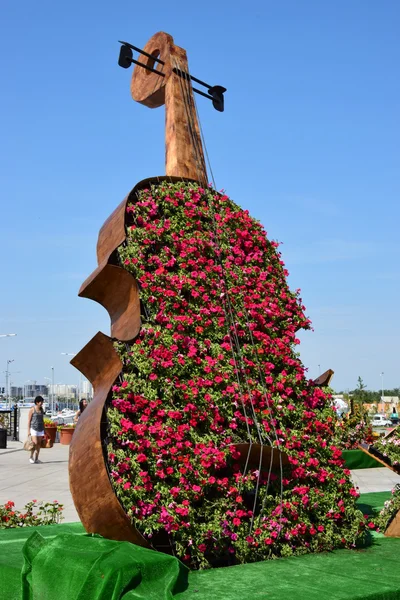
x=31 y=390
x=394 y=400
x=63 y=390
x=16 y=392
x=86 y=390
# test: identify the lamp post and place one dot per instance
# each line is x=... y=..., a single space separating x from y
x=7 y=374
x=383 y=395
x=70 y=354
x=48 y=379
x=52 y=390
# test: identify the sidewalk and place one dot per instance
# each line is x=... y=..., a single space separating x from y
x=21 y=482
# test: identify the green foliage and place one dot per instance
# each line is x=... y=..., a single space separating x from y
x=390 y=447
x=34 y=513
x=389 y=511
x=66 y=426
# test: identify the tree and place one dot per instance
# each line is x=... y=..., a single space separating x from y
x=360 y=396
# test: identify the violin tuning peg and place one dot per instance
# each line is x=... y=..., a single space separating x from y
x=125 y=57
x=217 y=93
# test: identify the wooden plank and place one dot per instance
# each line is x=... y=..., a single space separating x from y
x=116 y=289
x=395 y=469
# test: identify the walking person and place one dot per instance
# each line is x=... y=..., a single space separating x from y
x=36 y=427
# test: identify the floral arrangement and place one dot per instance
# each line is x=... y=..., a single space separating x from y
x=353 y=430
x=66 y=426
x=389 y=447
x=389 y=511
x=34 y=513
x=3 y=421
x=215 y=365
x=49 y=423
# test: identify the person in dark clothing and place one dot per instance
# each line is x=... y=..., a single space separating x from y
x=36 y=427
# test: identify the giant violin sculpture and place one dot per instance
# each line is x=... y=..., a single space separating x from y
x=200 y=422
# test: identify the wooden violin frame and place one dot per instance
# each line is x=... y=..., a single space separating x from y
x=116 y=289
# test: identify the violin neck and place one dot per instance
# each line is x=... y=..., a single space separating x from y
x=184 y=155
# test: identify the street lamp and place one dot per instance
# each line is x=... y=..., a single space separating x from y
x=383 y=395
x=7 y=334
x=52 y=390
x=48 y=379
x=72 y=354
x=7 y=374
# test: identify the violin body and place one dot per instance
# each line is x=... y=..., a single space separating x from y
x=201 y=405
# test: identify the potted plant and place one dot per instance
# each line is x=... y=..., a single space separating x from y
x=50 y=430
x=66 y=433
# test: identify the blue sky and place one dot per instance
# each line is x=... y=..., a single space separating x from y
x=308 y=143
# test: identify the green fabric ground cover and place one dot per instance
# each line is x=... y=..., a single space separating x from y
x=357 y=459
x=372 y=503
x=11 y=557
x=371 y=574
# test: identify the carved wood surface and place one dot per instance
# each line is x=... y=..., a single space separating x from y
x=94 y=497
x=393 y=529
x=114 y=288
x=112 y=234
x=324 y=379
x=366 y=448
x=271 y=457
x=184 y=155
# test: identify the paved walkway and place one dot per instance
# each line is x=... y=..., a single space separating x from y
x=21 y=482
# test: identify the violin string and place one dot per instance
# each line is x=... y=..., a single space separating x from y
x=188 y=93
x=237 y=370
x=204 y=143
x=261 y=377
x=194 y=124
x=188 y=116
x=189 y=106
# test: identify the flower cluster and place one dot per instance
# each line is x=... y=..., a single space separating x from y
x=215 y=365
x=353 y=430
x=389 y=448
x=389 y=511
x=34 y=513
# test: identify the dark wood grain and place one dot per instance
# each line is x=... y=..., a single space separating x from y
x=271 y=457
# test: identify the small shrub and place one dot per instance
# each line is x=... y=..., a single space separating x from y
x=389 y=510
x=34 y=513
